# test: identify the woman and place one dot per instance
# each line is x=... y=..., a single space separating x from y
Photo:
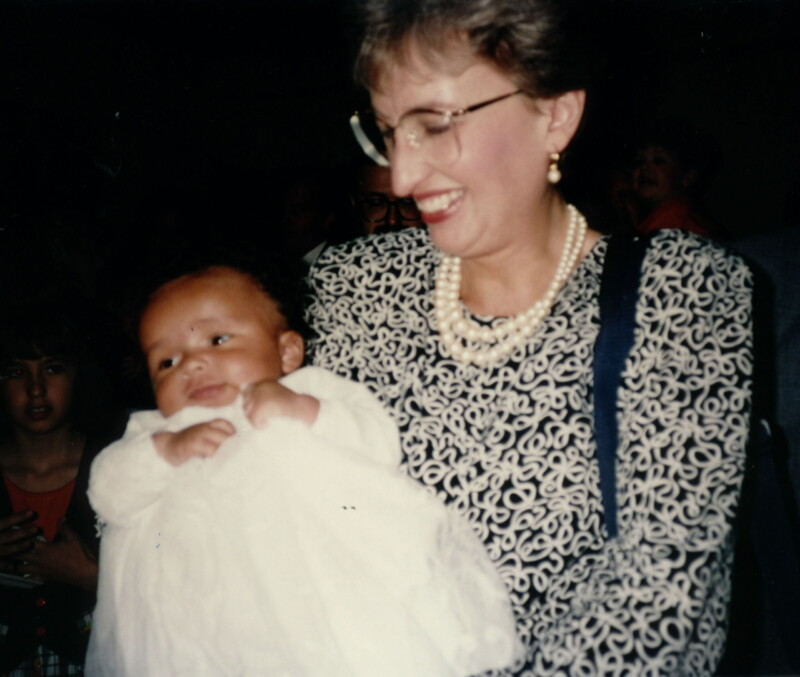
x=48 y=545
x=478 y=332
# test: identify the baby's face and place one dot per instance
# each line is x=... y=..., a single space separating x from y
x=207 y=336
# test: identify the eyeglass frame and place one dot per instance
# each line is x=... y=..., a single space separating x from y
x=390 y=205
x=452 y=116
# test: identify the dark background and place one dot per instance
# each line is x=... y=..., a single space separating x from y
x=110 y=108
x=126 y=126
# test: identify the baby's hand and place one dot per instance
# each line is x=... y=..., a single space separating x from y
x=266 y=400
x=200 y=440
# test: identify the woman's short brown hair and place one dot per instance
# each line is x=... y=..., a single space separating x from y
x=526 y=39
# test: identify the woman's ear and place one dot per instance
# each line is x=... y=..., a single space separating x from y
x=292 y=351
x=565 y=112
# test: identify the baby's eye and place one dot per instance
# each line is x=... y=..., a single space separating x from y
x=166 y=363
x=220 y=339
x=11 y=372
x=55 y=368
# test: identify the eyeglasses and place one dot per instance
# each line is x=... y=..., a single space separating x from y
x=376 y=208
x=432 y=131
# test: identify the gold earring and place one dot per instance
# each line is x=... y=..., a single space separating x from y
x=553 y=173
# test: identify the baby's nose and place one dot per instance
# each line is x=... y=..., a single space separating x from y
x=194 y=362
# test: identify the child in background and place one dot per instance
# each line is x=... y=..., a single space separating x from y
x=256 y=524
x=55 y=415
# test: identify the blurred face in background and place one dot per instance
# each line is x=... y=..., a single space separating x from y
x=378 y=207
x=657 y=175
x=37 y=393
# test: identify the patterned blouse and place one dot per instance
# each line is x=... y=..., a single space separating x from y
x=511 y=445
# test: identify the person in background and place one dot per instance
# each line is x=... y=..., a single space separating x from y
x=478 y=331
x=376 y=206
x=766 y=591
x=671 y=170
x=54 y=417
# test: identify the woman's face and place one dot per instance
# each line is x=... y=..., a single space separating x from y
x=37 y=394
x=483 y=200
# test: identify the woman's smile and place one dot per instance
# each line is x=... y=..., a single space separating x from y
x=438 y=206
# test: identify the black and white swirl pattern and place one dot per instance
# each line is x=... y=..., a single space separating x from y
x=511 y=446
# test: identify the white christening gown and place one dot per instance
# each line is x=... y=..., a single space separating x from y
x=295 y=551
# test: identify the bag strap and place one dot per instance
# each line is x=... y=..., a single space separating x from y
x=619 y=290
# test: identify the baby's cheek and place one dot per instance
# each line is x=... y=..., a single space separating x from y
x=168 y=399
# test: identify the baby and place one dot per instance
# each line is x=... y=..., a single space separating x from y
x=256 y=524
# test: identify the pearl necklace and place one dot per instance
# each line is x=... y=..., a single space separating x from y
x=457 y=330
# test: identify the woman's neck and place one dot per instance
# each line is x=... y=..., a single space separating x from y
x=512 y=279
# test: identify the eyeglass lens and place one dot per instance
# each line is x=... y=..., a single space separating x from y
x=432 y=133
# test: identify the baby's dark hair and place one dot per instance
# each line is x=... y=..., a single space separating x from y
x=276 y=274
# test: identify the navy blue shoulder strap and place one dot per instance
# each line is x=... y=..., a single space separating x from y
x=619 y=290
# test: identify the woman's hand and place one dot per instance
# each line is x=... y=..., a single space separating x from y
x=201 y=440
x=266 y=400
x=17 y=536
x=65 y=560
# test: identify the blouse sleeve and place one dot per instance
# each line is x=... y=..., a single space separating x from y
x=129 y=475
x=654 y=601
x=335 y=339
